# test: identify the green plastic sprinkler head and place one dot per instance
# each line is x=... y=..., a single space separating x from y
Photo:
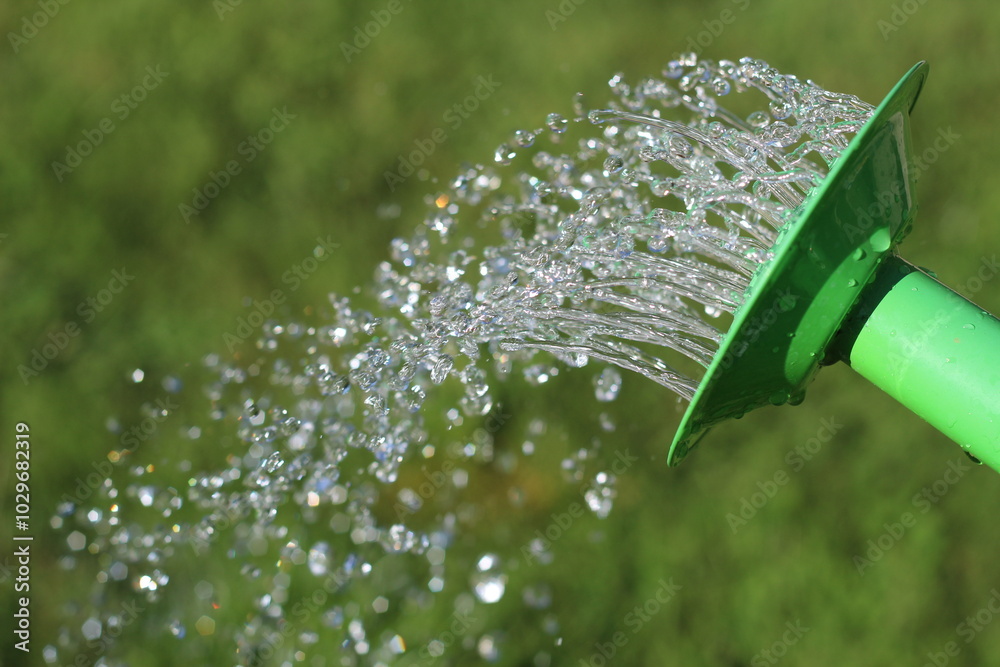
x=836 y=291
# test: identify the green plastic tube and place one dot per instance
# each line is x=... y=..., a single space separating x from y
x=934 y=351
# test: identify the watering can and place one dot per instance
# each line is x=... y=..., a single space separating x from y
x=836 y=290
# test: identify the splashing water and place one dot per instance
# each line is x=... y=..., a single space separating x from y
x=620 y=237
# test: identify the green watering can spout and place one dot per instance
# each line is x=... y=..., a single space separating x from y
x=836 y=291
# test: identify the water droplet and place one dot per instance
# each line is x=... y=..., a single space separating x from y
x=601 y=495
x=780 y=109
x=778 y=398
x=205 y=626
x=797 y=397
x=556 y=123
x=177 y=629
x=488 y=648
x=721 y=87
x=504 y=154
x=538 y=596
x=76 y=540
x=490 y=588
x=318 y=559
x=607 y=422
x=273 y=462
x=525 y=138
x=441 y=369
x=880 y=240
x=713 y=311
x=396 y=645
x=758 y=119
x=608 y=384
x=91 y=629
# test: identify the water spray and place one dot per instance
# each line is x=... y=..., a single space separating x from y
x=614 y=239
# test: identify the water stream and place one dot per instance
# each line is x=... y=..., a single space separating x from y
x=616 y=239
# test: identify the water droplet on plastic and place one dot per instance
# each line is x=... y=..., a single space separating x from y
x=880 y=240
x=778 y=398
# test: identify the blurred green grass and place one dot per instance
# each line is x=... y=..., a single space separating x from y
x=324 y=175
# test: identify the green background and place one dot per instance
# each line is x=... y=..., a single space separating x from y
x=793 y=562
